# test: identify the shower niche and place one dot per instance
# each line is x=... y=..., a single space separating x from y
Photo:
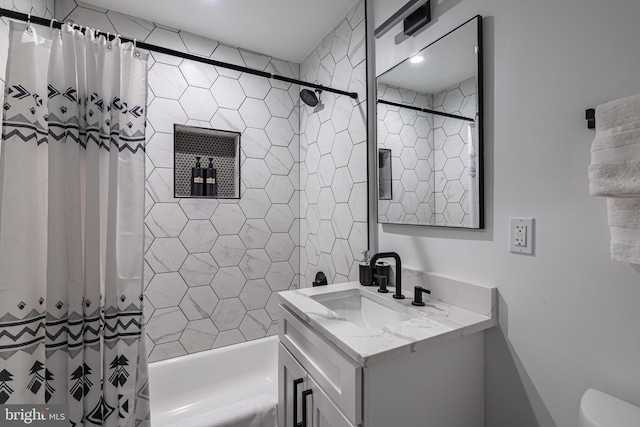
x=206 y=163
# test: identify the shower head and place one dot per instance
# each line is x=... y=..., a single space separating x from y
x=309 y=98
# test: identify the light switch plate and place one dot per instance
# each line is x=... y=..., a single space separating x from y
x=521 y=235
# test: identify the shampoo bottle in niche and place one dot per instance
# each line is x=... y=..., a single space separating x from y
x=197 y=180
x=366 y=278
x=211 y=180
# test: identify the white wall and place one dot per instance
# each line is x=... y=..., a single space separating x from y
x=569 y=316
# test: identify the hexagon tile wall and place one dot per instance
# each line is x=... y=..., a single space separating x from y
x=333 y=151
x=212 y=267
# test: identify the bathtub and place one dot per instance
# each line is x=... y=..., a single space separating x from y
x=227 y=386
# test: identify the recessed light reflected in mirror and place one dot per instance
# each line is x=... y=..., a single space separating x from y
x=417 y=59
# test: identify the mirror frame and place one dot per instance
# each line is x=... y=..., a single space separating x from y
x=479 y=122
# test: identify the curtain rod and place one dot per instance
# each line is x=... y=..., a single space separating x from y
x=159 y=49
x=426 y=110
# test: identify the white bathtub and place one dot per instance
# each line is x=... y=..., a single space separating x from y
x=215 y=387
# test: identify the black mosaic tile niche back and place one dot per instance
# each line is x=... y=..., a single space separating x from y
x=223 y=146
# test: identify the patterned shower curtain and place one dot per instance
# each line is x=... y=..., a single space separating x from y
x=71 y=226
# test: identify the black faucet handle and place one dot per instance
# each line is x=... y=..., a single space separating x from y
x=417 y=295
x=381 y=280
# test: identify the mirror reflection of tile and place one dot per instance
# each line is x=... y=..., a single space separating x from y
x=430 y=155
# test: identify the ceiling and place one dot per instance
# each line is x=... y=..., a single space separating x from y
x=448 y=61
x=284 y=29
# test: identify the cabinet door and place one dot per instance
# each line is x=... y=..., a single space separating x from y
x=292 y=380
x=324 y=412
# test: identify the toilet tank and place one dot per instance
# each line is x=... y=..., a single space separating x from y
x=598 y=409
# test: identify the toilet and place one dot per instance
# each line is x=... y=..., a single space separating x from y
x=598 y=409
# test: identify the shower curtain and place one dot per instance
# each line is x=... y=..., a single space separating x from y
x=71 y=226
x=472 y=168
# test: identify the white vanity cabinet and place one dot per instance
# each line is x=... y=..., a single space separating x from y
x=304 y=403
x=333 y=379
x=440 y=386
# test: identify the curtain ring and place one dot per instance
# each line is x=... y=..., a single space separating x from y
x=109 y=47
x=29 y=29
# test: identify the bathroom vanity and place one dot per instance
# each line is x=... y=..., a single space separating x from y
x=349 y=356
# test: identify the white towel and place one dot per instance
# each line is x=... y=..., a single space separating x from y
x=258 y=411
x=615 y=173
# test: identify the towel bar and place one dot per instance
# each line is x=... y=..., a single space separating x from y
x=591 y=118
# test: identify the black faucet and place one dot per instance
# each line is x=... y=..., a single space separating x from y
x=372 y=266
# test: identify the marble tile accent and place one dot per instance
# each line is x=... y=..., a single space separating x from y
x=166 y=290
x=197 y=44
x=164 y=113
x=198 y=103
x=255 y=324
x=280 y=218
x=228 y=93
x=228 y=219
x=255 y=203
x=166 y=325
x=198 y=236
x=197 y=74
x=228 y=282
x=255 y=294
x=198 y=269
x=199 y=335
x=228 y=314
x=279 y=131
x=228 y=250
x=279 y=247
x=279 y=161
x=165 y=255
x=166 y=81
x=230 y=337
x=255 y=233
x=255 y=263
x=199 y=302
x=160 y=150
x=255 y=143
x=254 y=113
x=166 y=220
x=160 y=185
x=198 y=208
x=166 y=351
x=279 y=276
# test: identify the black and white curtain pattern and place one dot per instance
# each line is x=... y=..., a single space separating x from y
x=71 y=226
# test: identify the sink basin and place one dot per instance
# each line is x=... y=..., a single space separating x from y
x=361 y=310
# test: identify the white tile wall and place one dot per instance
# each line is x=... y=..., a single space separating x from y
x=212 y=266
x=333 y=169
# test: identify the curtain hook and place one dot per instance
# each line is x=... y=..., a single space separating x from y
x=109 y=47
x=135 y=48
x=51 y=23
x=29 y=30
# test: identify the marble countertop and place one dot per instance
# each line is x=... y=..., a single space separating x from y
x=428 y=326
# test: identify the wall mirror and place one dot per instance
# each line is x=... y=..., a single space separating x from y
x=429 y=129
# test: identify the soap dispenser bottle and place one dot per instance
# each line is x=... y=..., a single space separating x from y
x=365 y=270
x=197 y=179
x=211 y=180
